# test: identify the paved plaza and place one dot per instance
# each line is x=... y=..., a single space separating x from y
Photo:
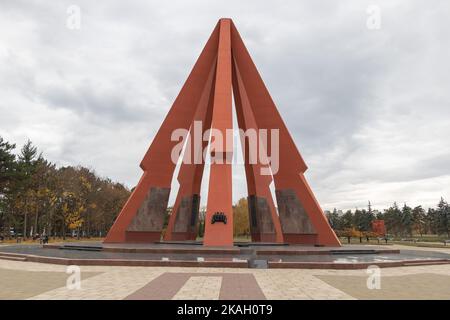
x=29 y=280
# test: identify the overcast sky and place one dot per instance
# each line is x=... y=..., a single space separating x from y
x=369 y=109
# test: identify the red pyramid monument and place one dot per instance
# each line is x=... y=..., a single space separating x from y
x=223 y=68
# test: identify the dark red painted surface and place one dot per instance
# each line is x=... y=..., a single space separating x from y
x=224 y=66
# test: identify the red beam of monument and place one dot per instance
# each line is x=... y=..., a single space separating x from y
x=224 y=66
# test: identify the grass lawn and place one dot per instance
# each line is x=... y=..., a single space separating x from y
x=420 y=243
x=428 y=241
x=50 y=240
x=423 y=244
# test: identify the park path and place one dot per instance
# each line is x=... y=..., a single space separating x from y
x=27 y=280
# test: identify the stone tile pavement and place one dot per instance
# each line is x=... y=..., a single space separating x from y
x=27 y=280
x=200 y=288
x=20 y=284
x=406 y=287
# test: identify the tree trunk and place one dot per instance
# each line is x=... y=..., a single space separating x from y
x=36 y=231
x=55 y=223
x=25 y=226
x=88 y=232
x=63 y=228
x=1 y=221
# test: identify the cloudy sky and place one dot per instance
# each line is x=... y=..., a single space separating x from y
x=369 y=109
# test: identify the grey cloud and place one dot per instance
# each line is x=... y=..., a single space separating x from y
x=94 y=104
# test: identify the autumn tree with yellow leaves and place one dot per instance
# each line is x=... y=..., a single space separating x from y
x=241 y=227
x=38 y=198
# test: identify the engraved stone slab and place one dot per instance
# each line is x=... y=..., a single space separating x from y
x=151 y=214
x=293 y=216
x=251 y=200
x=187 y=214
x=260 y=215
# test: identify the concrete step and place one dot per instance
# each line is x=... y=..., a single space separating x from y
x=350 y=251
x=12 y=258
x=425 y=263
x=10 y=254
x=80 y=248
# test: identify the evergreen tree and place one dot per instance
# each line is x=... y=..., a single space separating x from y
x=26 y=191
x=370 y=214
x=432 y=221
x=8 y=170
x=380 y=215
x=407 y=221
x=347 y=220
x=360 y=220
x=392 y=219
x=7 y=164
x=334 y=220
x=443 y=218
x=419 y=220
